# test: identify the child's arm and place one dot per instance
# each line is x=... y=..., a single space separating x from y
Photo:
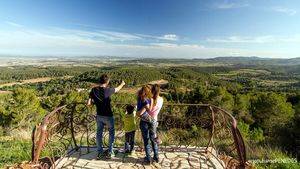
x=144 y=109
x=140 y=112
x=148 y=107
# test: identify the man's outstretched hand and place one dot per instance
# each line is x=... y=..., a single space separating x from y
x=123 y=83
x=120 y=86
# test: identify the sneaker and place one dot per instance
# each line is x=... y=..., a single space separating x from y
x=156 y=159
x=132 y=154
x=147 y=161
x=126 y=153
x=100 y=156
x=157 y=140
x=110 y=155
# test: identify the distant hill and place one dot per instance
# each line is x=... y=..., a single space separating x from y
x=108 y=60
x=253 y=61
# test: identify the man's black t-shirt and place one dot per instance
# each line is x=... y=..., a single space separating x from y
x=101 y=98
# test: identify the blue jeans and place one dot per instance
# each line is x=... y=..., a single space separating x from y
x=148 y=135
x=129 y=141
x=110 y=122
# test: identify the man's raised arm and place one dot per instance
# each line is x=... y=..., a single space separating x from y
x=120 y=87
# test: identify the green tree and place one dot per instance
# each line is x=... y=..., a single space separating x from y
x=26 y=108
x=221 y=97
x=200 y=94
x=52 y=101
x=241 y=108
x=5 y=114
x=271 y=110
x=74 y=97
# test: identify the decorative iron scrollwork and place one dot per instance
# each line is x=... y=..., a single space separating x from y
x=70 y=127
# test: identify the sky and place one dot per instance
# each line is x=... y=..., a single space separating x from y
x=150 y=28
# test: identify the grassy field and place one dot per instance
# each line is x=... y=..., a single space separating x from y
x=14 y=150
x=263 y=78
x=245 y=71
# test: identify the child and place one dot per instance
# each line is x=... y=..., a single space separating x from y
x=129 y=127
x=144 y=103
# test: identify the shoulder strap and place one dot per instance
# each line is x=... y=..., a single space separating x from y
x=99 y=95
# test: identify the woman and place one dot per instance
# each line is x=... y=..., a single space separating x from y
x=157 y=102
x=151 y=106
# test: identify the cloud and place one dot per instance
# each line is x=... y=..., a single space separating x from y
x=116 y=36
x=166 y=37
x=63 y=42
x=121 y=36
x=13 y=24
x=171 y=37
x=173 y=45
x=72 y=42
x=258 y=39
x=98 y=34
x=284 y=10
x=230 y=4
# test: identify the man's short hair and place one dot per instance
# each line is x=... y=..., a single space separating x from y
x=103 y=79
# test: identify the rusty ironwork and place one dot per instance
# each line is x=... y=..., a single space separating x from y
x=70 y=127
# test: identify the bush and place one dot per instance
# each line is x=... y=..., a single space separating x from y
x=257 y=135
x=244 y=129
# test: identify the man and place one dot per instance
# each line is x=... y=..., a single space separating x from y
x=100 y=96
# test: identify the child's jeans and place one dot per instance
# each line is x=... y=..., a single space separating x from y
x=129 y=141
x=147 y=118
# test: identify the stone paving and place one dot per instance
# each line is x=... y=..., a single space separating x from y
x=181 y=158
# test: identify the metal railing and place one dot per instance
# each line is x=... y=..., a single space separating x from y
x=70 y=127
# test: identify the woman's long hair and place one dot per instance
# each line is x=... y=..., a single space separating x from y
x=145 y=93
x=155 y=92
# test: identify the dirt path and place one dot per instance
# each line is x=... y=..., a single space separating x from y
x=36 y=80
x=160 y=82
x=5 y=92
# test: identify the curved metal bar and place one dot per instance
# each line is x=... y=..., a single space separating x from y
x=42 y=129
x=72 y=127
x=33 y=143
x=62 y=120
x=238 y=139
x=213 y=128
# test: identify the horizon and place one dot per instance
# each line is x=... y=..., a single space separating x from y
x=136 y=58
x=150 y=29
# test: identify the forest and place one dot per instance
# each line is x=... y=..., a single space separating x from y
x=265 y=99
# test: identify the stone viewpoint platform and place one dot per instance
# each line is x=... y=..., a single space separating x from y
x=180 y=158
